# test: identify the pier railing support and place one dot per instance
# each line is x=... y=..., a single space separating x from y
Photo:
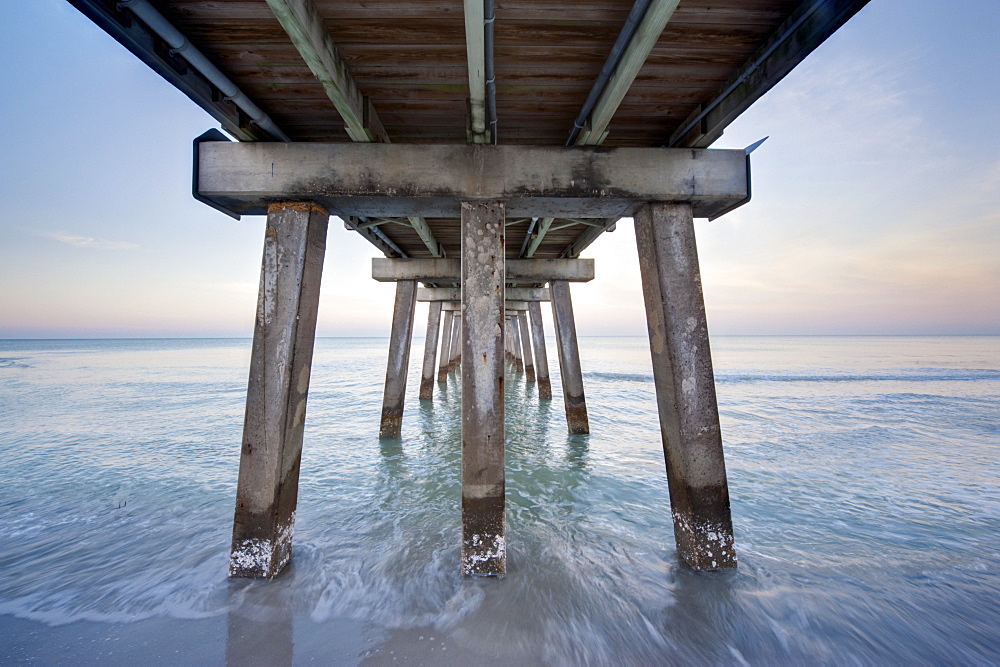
x=280 y=364
x=685 y=385
x=399 y=359
x=430 y=350
x=541 y=358
x=529 y=365
x=569 y=359
x=484 y=550
x=446 y=342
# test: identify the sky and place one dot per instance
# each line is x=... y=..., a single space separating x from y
x=876 y=199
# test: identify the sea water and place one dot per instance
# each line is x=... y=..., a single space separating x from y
x=864 y=475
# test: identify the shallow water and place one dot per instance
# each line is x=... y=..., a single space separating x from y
x=863 y=474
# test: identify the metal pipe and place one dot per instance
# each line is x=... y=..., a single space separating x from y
x=624 y=37
x=527 y=236
x=750 y=70
x=180 y=44
x=491 y=77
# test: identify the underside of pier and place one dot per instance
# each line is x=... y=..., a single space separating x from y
x=480 y=147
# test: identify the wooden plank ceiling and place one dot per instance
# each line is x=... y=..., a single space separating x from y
x=409 y=58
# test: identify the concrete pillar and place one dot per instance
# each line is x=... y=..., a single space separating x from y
x=280 y=363
x=515 y=342
x=529 y=365
x=569 y=359
x=446 y=342
x=399 y=359
x=484 y=550
x=456 y=343
x=541 y=358
x=685 y=385
x=430 y=350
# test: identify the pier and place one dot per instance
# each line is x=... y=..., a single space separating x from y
x=481 y=148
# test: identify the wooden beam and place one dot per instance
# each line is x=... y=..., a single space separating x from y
x=475 y=48
x=304 y=25
x=807 y=27
x=646 y=35
x=400 y=180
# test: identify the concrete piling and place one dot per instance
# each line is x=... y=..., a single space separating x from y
x=446 y=343
x=515 y=344
x=430 y=350
x=456 y=343
x=399 y=359
x=529 y=364
x=577 y=421
x=280 y=366
x=541 y=358
x=685 y=385
x=484 y=550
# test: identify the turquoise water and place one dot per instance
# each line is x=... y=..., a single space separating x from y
x=863 y=471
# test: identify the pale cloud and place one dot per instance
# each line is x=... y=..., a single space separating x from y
x=88 y=242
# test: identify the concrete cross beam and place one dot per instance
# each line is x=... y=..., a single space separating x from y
x=431 y=294
x=518 y=270
x=439 y=294
x=402 y=180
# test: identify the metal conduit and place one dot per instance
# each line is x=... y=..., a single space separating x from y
x=624 y=37
x=491 y=77
x=527 y=236
x=179 y=44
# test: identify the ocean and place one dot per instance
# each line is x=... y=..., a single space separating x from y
x=864 y=474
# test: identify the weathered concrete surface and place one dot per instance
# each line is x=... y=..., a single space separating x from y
x=685 y=385
x=541 y=357
x=515 y=344
x=528 y=294
x=569 y=359
x=449 y=270
x=456 y=342
x=399 y=359
x=446 y=342
x=484 y=550
x=280 y=364
x=525 y=340
x=430 y=351
x=439 y=294
x=393 y=180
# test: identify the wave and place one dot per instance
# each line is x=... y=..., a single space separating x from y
x=917 y=375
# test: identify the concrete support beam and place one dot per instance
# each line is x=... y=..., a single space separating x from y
x=394 y=181
x=439 y=294
x=541 y=358
x=430 y=351
x=455 y=355
x=484 y=550
x=280 y=364
x=454 y=294
x=446 y=342
x=476 y=57
x=399 y=359
x=529 y=364
x=528 y=294
x=449 y=270
x=569 y=359
x=515 y=343
x=685 y=385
